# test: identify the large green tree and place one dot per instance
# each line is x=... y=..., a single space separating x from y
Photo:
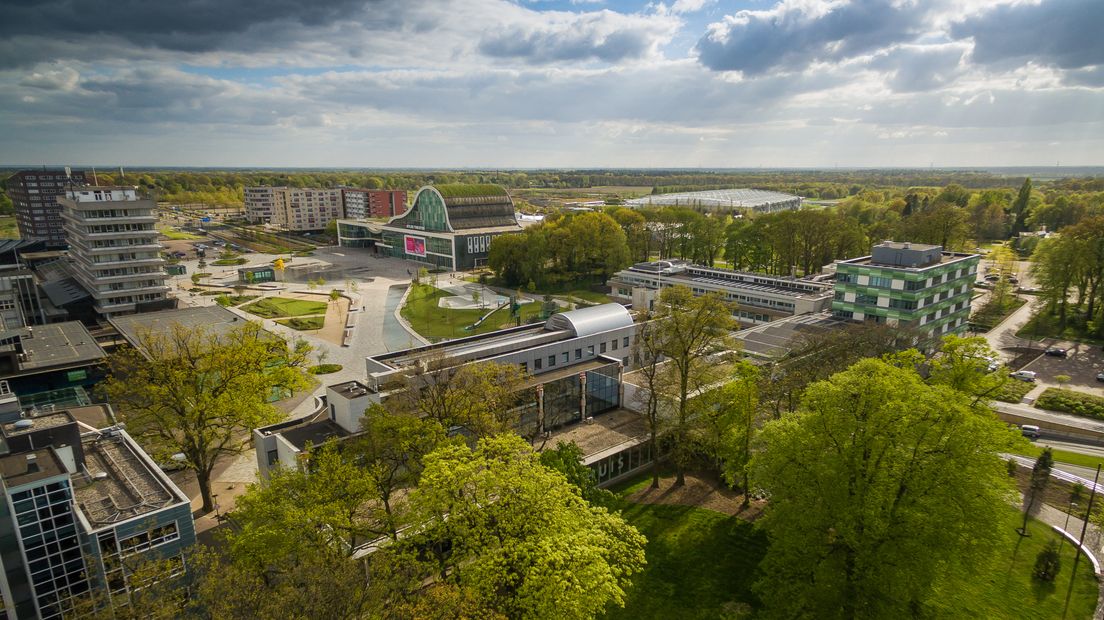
x=518 y=536
x=880 y=486
x=200 y=393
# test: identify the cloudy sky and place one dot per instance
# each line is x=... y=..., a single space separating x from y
x=556 y=83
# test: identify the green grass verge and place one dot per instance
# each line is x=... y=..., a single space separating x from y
x=325 y=369
x=1007 y=590
x=225 y=262
x=701 y=564
x=303 y=324
x=276 y=307
x=1013 y=391
x=1061 y=456
x=430 y=320
x=1072 y=401
x=585 y=295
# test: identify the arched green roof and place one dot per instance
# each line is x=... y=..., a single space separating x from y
x=470 y=190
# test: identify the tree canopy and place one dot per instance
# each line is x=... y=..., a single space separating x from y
x=880 y=486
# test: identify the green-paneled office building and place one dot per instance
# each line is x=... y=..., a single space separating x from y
x=909 y=285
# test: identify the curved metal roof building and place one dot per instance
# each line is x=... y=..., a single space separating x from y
x=592 y=320
x=758 y=200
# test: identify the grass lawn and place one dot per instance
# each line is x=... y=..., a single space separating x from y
x=585 y=295
x=1062 y=456
x=178 y=235
x=701 y=564
x=274 y=307
x=304 y=324
x=436 y=323
x=1008 y=591
x=325 y=369
x=225 y=262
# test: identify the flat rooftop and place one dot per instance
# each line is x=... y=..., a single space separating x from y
x=777 y=339
x=686 y=273
x=456 y=352
x=603 y=433
x=16 y=469
x=945 y=257
x=215 y=319
x=56 y=345
x=314 y=433
x=39 y=422
x=737 y=197
x=120 y=484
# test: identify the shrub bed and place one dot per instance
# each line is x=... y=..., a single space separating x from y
x=304 y=323
x=223 y=262
x=1013 y=391
x=1071 y=401
x=325 y=369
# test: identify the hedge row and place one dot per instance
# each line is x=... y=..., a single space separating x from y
x=1070 y=401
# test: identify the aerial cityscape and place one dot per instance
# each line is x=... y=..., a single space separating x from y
x=566 y=309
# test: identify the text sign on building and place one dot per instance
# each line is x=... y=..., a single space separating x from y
x=415 y=246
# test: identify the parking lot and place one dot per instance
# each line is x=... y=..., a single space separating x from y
x=1082 y=364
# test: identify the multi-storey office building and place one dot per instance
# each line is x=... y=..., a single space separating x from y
x=760 y=298
x=34 y=194
x=907 y=284
x=78 y=506
x=114 y=248
x=362 y=204
x=293 y=208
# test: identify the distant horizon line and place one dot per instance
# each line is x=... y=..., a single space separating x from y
x=107 y=168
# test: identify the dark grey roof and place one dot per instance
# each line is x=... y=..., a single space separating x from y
x=215 y=319
x=64 y=291
x=314 y=434
x=52 y=346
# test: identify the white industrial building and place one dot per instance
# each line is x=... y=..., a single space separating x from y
x=723 y=200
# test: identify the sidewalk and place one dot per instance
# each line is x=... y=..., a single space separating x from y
x=1094 y=543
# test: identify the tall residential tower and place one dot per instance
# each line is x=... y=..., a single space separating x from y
x=113 y=244
x=34 y=194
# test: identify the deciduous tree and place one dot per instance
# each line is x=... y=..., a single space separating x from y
x=201 y=393
x=880 y=486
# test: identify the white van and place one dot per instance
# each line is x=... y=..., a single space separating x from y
x=1030 y=431
x=1023 y=375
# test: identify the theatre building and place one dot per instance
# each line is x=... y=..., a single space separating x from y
x=447 y=226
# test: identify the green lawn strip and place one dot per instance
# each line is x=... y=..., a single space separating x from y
x=1061 y=456
x=423 y=312
x=225 y=262
x=305 y=323
x=1071 y=401
x=701 y=564
x=1007 y=590
x=325 y=369
x=279 y=307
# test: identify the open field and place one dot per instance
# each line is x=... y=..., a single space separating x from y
x=281 y=307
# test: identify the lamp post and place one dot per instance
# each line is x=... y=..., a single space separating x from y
x=1065 y=528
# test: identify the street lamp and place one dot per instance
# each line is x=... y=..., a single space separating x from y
x=1065 y=528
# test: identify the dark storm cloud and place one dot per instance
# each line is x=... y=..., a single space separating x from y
x=35 y=30
x=790 y=37
x=1064 y=33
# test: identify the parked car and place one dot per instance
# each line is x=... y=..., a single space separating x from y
x=1030 y=431
x=1100 y=377
x=1024 y=375
x=1056 y=352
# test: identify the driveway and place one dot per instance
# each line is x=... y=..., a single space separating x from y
x=1083 y=363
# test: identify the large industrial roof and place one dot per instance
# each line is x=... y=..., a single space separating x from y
x=592 y=320
x=731 y=198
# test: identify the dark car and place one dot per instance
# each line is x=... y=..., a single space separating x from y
x=1056 y=352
